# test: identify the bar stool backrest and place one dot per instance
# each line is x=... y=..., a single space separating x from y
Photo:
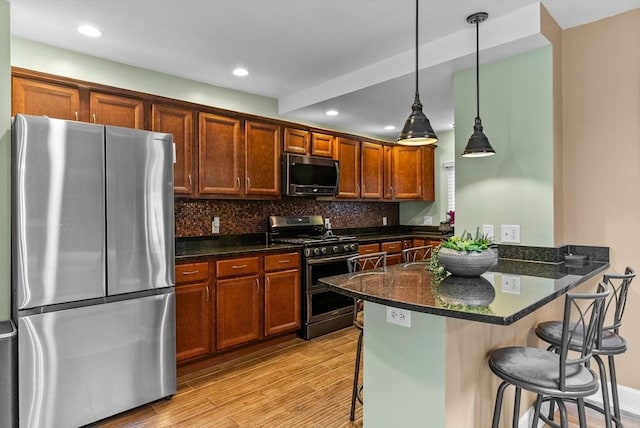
x=417 y=254
x=619 y=285
x=583 y=316
x=367 y=261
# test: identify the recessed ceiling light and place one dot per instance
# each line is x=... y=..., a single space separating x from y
x=332 y=112
x=89 y=30
x=389 y=127
x=240 y=72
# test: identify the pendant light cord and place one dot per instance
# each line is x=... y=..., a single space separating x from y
x=477 y=69
x=416 y=49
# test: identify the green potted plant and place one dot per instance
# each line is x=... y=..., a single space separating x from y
x=466 y=255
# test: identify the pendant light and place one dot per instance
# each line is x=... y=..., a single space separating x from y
x=417 y=130
x=478 y=145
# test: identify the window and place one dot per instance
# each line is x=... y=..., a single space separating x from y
x=450 y=169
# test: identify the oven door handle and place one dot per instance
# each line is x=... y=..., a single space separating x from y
x=325 y=260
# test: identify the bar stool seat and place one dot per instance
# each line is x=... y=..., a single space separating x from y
x=610 y=343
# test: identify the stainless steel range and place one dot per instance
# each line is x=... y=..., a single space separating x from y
x=324 y=254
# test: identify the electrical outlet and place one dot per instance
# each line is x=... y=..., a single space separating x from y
x=384 y=221
x=487 y=230
x=327 y=223
x=399 y=316
x=427 y=220
x=215 y=225
x=510 y=233
x=511 y=283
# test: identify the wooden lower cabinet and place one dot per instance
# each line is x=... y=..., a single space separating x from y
x=193 y=310
x=238 y=311
x=282 y=301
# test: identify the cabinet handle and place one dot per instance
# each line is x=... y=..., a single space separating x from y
x=207 y=288
x=257 y=286
x=189 y=180
x=238 y=266
x=420 y=189
x=267 y=285
x=94 y=117
x=238 y=181
x=391 y=191
x=357 y=188
x=284 y=261
x=191 y=272
x=76 y=113
x=248 y=183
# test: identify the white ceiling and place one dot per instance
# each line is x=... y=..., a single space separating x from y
x=356 y=56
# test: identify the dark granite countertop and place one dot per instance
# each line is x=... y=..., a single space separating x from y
x=204 y=248
x=482 y=299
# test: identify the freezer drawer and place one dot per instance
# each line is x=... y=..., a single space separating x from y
x=81 y=365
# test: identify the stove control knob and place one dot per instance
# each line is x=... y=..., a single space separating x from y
x=316 y=251
x=335 y=248
x=346 y=248
x=324 y=250
x=352 y=247
x=307 y=252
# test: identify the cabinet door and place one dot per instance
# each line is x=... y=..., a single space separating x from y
x=372 y=170
x=107 y=109
x=321 y=144
x=219 y=163
x=44 y=99
x=179 y=122
x=192 y=320
x=296 y=141
x=238 y=311
x=407 y=172
x=262 y=160
x=348 y=153
x=282 y=311
x=428 y=176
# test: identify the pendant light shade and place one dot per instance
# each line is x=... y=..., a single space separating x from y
x=417 y=130
x=478 y=144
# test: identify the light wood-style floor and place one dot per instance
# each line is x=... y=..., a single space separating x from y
x=302 y=384
x=295 y=384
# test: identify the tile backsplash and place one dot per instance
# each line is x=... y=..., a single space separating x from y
x=193 y=216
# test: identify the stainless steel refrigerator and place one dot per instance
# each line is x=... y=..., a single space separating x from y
x=92 y=269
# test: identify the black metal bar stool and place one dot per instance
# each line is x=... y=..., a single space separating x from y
x=609 y=342
x=358 y=264
x=554 y=376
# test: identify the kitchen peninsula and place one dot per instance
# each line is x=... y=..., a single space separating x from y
x=434 y=373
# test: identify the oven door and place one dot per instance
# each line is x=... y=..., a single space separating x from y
x=322 y=303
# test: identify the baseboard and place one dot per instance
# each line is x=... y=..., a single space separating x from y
x=629 y=403
x=629 y=399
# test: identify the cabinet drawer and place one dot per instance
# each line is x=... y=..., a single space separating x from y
x=281 y=261
x=392 y=247
x=369 y=248
x=235 y=267
x=192 y=272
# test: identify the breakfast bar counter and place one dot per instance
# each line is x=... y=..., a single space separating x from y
x=432 y=371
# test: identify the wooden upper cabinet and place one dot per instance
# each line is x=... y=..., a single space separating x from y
x=107 y=109
x=219 y=163
x=179 y=122
x=262 y=160
x=44 y=99
x=406 y=170
x=348 y=153
x=296 y=141
x=428 y=173
x=372 y=170
x=321 y=144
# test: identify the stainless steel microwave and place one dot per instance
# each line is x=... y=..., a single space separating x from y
x=309 y=175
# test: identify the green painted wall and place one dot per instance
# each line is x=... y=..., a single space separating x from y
x=5 y=164
x=49 y=59
x=516 y=185
x=412 y=213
